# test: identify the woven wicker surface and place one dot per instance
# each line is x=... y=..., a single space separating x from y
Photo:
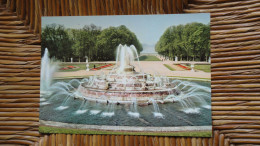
x=235 y=47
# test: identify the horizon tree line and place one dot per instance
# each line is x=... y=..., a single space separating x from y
x=188 y=42
x=91 y=41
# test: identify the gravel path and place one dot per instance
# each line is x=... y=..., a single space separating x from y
x=151 y=67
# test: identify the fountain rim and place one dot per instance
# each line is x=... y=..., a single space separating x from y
x=129 y=91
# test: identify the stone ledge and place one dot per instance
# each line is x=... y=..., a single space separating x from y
x=125 y=128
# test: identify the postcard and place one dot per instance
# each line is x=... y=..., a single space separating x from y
x=128 y=74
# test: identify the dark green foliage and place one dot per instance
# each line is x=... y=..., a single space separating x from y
x=111 y=37
x=58 y=42
x=188 y=42
x=84 y=41
x=169 y=67
x=91 y=41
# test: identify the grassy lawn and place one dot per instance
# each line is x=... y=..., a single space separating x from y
x=149 y=58
x=169 y=67
x=79 y=66
x=46 y=129
x=203 y=67
x=189 y=78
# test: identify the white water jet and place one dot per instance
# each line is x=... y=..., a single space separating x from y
x=207 y=106
x=191 y=110
x=48 y=68
x=126 y=57
x=109 y=110
x=82 y=108
x=64 y=85
x=81 y=111
x=42 y=99
x=107 y=114
x=133 y=109
x=59 y=93
x=64 y=104
x=158 y=115
x=134 y=114
x=94 y=112
x=156 y=112
x=62 y=88
x=191 y=96
x=62 y=108
x=44 y=103
x=132 y=47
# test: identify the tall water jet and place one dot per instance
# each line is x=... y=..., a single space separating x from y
x=133 y=109
x=48 y=68
x=125 y=58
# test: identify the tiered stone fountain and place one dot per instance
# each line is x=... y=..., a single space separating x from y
x=126 y=84
x=123 y=84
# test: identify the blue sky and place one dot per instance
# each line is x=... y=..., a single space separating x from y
x=148 y=28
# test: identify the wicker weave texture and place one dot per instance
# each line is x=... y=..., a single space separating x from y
x=235 y=52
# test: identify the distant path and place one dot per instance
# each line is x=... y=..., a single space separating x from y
x=151 y=67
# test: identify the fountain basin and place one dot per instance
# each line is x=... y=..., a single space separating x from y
x=124 y=97
x=112 y=99
x=85 y=110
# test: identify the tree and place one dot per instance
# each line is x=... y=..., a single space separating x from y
x=110 y=38
x=90 y=41
x=56 y=39
x=85 y=41
x=190 y=42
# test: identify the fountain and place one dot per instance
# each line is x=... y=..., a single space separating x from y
x=124 y=81
x=139 y=94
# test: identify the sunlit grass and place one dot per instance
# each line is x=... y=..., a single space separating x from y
x=149 y=58
x=203 y=67
x=79 y=66
x=169 y=67
x=46 y=129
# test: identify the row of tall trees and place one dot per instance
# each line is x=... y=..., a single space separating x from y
x=90 y=41
x=189 y=42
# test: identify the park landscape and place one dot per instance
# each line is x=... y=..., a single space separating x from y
x=80 y=58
